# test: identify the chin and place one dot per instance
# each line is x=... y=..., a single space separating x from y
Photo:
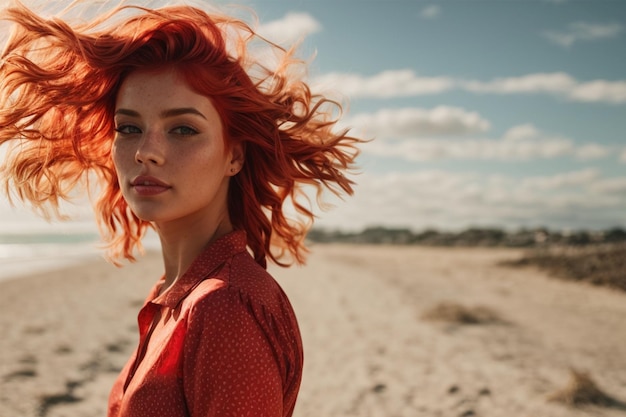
x=145 y=215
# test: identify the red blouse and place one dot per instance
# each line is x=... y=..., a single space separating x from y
x=222 y=341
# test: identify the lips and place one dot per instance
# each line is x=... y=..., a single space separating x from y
x=147 y=186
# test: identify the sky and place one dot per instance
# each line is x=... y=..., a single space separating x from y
x=496 y=113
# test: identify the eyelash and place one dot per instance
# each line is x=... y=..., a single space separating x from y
x=121 y=129
x=188 y=128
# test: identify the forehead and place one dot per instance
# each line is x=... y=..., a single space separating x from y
x=158 y=88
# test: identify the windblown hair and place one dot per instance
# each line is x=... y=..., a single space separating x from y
x=59 y=84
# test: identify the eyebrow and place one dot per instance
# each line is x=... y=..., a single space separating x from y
x=164 y=114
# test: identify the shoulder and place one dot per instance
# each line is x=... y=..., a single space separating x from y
x=247 y=276
x=242 y=286
x=243 y=307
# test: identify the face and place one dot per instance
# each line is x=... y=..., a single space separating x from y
x=169 y=152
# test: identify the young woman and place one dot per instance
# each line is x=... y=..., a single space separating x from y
x=185 y=133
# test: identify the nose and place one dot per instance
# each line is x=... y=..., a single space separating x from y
x=151 y=149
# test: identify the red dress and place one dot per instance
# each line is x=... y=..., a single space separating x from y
x=222 y=341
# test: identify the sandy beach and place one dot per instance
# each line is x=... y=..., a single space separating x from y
x=375 y=343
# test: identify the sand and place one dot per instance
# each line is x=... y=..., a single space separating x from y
x=369 y=351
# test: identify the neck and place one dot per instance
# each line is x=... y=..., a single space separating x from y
x=181 y=244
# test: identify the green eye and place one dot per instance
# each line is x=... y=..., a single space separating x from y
x=185 y=131
x=127 y=129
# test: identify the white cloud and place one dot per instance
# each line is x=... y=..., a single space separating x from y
x=557 y=82
x=431 y=12
x=406 y=83
x=520 y=143
x=472 y=149
x=454 y=200
x=622 y=156
x=416 y=122
x=22 y=218
x=291 y=28
x=599 y=91
x=583 y=31
x=610 y=186
x=396 y=83
x=521 y=132
x=561 y=181
x=592 y=151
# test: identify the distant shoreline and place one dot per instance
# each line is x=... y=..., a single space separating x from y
x=485 y=237
x=473 y=236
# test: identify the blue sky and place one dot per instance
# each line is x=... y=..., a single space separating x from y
x=484 y=113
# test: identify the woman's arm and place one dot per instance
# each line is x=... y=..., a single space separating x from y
x=231 y=363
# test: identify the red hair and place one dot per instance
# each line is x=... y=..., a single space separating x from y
x=58 y=86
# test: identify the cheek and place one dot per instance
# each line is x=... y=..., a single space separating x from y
x=118 y=156
x=197 y=159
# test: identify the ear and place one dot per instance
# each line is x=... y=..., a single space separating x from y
x=237 y=153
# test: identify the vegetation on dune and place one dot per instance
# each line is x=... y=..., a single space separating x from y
x=599 y=265
x=597 y=257
x=582 y=390
x=490 y=237
x=452 y=312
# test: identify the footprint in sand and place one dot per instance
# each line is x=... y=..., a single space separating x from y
x=20 y=374
x=28 y=360
x=63 y=350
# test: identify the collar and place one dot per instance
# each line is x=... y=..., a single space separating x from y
x=208 y=263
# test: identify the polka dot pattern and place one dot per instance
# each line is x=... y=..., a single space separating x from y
x=222 y=341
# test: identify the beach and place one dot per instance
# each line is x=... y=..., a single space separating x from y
x=378 y=335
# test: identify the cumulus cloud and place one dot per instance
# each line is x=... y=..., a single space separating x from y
x=291 y=28
x=387 y=84
x=610 y=186
x=583 y=31
x=558 y=82
x=592 y=151
x=599 y=91
x=521 y=132
x=417 y=122
x=431 y=12
x=453 y=200
x=520 y=143
x=561 y=181
x=405 y=83
x=472 y=149
x=20 y=217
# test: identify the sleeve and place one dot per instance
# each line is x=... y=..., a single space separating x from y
x=230 y=366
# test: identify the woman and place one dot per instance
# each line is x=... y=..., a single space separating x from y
x=187 y=134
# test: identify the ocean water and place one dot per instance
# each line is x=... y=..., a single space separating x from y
x=22 y=254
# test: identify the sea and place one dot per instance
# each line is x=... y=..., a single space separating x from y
x=26 y=253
